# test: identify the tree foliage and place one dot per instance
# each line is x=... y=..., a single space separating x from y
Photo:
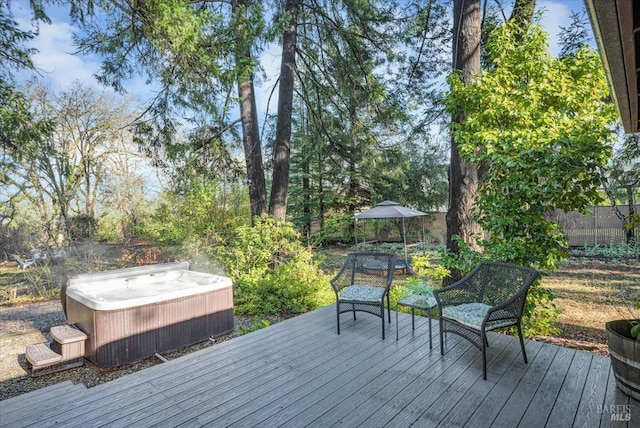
x=574 y=36
x=200 y=57
x=17 y=126
x=366 y=101
x=540 y=128
x=197 y=218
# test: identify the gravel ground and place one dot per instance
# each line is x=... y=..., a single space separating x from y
x=25 y=325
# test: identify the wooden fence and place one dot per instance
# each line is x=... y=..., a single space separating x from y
x=601 y=227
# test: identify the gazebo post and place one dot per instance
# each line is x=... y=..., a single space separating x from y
x=355 y=230
x=404 y=238
x=424 y=239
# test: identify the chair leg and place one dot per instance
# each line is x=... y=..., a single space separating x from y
x=413 y=320
x=388 y=308
x=484 y=354
x=430 y=335
x=441 y=338
x=338 y=316
x=353 y=308
x=524 y=352
x=397 y=323
x=382 y=318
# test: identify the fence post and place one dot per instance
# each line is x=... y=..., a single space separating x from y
x=595 y=225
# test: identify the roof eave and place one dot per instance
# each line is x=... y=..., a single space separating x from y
x=613 y=29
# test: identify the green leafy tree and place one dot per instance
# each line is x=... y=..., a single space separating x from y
x=464 y=174
x=539 y=128
x=542 y=127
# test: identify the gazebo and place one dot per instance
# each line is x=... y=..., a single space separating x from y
x=390 y=209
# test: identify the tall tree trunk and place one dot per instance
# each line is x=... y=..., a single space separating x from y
x=463 y=176
x=252 y=148
x=321 y=208
x=630 y=226
x=306 y=198
x=522 y=14
x=249 y=116
x=282 y=150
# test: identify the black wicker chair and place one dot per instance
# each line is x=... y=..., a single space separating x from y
x=363 y=283
x=492 y=296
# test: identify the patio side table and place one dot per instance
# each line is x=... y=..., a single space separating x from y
x=417 y=302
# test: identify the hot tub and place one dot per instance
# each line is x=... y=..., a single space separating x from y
x=130 y=314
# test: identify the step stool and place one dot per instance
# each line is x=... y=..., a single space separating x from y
x=65 y=351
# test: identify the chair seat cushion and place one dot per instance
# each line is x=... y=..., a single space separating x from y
x=472 y=315
x=362 y=293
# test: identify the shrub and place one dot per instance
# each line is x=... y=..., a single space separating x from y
x=273 y=273
x=617 y=251
x=337 y=227
x=82 y=227
x=195 y=219
x=424 y=269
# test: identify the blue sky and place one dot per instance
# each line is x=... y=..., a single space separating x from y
x=59 y=66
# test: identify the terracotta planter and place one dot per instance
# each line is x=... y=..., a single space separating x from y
x=625 y=357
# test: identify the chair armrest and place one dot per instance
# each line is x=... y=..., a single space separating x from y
x=336 y=284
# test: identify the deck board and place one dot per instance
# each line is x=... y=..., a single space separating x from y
x=301 y=373
x=469 y=401
x=494 y=402
x=458 y=390
x=544 y=398
x=624 y=403
x=594 y=393
x=521 y=397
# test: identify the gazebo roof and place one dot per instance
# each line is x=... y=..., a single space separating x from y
x=389 y=209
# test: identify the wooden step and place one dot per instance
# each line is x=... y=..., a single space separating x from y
x=40 y=355
x=64 y=334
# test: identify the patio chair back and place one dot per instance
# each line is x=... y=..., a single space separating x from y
x=502 y=282
x=363 y=283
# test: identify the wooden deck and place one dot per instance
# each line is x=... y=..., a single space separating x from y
x=301 y=373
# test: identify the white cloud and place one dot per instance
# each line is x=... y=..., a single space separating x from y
x=55 y=60
x=557 y=14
